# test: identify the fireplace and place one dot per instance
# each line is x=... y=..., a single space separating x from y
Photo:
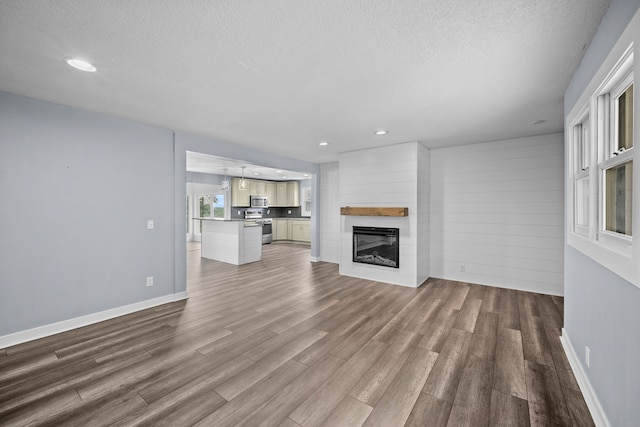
x=377 y=246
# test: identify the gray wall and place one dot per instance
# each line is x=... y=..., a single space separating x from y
x=602 y=309
x=77 y=189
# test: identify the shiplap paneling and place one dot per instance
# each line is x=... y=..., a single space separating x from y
x=329 y=212
x=497 y=209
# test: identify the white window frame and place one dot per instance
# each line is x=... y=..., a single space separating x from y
x=615 y=251
x=580 y=156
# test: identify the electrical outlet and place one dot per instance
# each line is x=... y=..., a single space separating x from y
x=239 y=212
x=150 y=281
x=463 y=268
x=150 y=224
x=587 y=356
x=289 y=211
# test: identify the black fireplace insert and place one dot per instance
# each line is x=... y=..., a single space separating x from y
x=377 y=246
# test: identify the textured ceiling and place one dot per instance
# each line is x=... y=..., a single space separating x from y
x=283 y=75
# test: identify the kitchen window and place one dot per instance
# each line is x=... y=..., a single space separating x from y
x=581 y=158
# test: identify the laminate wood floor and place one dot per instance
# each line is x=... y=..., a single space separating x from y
x=286 y=342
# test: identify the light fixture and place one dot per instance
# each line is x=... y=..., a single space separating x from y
x=81 y=65
x=278 y=171
x=243 y=182
x=323 y=144
x=305 y=175
x=381 y=132
x=256 y=173
x=539 y=122
x=225 y=183
x=284 y=176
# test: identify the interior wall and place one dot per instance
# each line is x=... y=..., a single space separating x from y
x=330 y=212
x=77 y=189
x=601 y=308
x=497 y=213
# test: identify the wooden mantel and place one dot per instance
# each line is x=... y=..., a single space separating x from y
x=374 y=211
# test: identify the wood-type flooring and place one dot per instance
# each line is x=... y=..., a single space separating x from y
x=287 y=342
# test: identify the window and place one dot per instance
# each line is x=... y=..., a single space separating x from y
x=601 y=158
x=615 y=141
x=581 y=159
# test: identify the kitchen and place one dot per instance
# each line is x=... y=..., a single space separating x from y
x=224 y=206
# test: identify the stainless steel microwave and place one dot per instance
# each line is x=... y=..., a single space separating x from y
x=259 y=201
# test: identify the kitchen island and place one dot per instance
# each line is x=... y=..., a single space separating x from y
x=233 y=242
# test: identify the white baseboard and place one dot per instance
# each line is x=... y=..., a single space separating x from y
x=77 y=322
x=597 y=413
x=315 y=259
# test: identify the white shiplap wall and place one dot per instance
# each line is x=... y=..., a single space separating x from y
x=422 y=226
x=329 y=212
x=386 y=176
x=497 y=208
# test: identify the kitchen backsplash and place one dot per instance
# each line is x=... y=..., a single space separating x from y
x=238 y=213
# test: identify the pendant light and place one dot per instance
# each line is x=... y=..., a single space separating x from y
x=225 y=183
x=243 y=182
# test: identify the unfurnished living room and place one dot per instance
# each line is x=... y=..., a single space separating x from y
x=319 y=213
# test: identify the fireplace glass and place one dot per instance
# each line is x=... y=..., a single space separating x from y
x=377 y=246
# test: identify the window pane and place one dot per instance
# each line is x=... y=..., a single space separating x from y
x=625 y=119
x=618 y=198
x=205 y=206
x=582 y=202
x=218 y=206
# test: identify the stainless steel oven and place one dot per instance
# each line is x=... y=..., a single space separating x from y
x=255 y=215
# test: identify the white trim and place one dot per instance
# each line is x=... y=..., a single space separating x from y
x=597 y=413
x=89 y=319
x=315 y=259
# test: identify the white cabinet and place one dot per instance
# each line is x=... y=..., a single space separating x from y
x=279 y=194
x=300 y=230
x=293 y=193
x=281 y=229
x=270 y=191
x=239 y=197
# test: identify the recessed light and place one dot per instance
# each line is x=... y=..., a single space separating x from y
x=256 y=173
x=284 y=176
x=323 y=144
x=305 y=175
x=81 y=65
x=381 y=132
x=278 y=171
x=539 y=122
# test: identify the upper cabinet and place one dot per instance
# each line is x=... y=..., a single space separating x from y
x=239 y=197
x=279 y=194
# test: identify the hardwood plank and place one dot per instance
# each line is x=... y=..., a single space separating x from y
x=491 y=300
x=375 y=382
x=484 y=338
x=508 y=410
x=429 y=411
x=472 y=404
x=534 y=341
x=41 y=411
x=549 y=312
x=192 y=411
x=322 y=347
x=397 y=402
x=437 y=333
x=314 y=410
x=443 y=380
x=468 y=314
x=546 y=400
x=560 y=361
x=509 y=364
x=509 y=315
x=349 y=413
x=250 y=376
x=253 y=397
x=290 y=397
x=577 y=408
x=356 y=340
